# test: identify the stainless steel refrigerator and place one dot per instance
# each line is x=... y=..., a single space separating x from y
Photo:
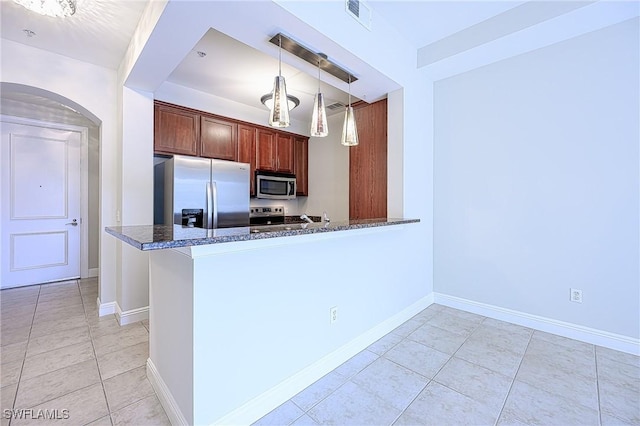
x=201 y=192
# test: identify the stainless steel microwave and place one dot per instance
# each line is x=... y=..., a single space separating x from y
x=275 y=186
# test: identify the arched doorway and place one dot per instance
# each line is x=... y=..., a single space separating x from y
x=33 y=105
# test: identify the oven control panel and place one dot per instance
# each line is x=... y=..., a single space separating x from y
x=266 y=211
x=273 y=215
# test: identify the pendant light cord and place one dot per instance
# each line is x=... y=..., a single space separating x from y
x=280 y=56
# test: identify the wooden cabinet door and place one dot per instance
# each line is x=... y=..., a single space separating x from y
x=368 y=163
x=266 y=150
x=218 y=139
x=285 y=153
x=176 y=131
x=247 y=151
x=301 y=165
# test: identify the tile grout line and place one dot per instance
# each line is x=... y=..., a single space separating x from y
x=95 y=355
x=504 y=403
x=348 y=379
x=85 y=323
x=24 y=357
x=411 y=402
x=59 y=396
x=429 y=380
x=110 y=412
x=595 y=359
x=453 y=356
x=508 y=383
x=432 y=380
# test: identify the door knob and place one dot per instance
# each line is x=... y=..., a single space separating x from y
x=74 y=223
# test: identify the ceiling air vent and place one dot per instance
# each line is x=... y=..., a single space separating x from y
x=336 y=105
x=360 y=12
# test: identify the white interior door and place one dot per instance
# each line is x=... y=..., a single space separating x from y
x=40 y=196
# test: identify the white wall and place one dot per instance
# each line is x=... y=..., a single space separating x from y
x=281 y=337
x=536 y=182
x=94 y=88
x=328 y=174
x=94 y=197
x=136 y=199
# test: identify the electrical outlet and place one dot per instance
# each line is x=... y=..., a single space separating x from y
x=333 y=314
x=576 y=295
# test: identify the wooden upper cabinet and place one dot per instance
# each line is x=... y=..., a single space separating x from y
x=285 y=153
x=274 y=151
x=247 y=151
x=180 y=130
x=301 y=163
x=176 y=131
x=218 y=139
x=266 y=150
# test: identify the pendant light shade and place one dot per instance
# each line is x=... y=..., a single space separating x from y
x=279 y=114
x=319 y=125
x=53 y=8
x=349 y=130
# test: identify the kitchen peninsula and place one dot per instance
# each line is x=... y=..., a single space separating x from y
x=240 y=317
x=155 y=237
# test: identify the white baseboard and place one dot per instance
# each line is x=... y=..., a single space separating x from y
x=131 y=316
x=573 y=331
x=93 y=272
x=106 y=308
x=279 y=394
x=164 y=396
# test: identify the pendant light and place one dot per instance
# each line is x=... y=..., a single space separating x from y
x=279 y=114
x=349 y=130
x=319 y=125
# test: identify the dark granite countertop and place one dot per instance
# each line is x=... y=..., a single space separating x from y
x=156 y=237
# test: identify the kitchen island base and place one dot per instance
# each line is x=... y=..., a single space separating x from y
x=238 y=328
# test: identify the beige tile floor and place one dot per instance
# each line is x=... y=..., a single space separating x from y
x=449 y=367
x=57 y=354
x=442 y=367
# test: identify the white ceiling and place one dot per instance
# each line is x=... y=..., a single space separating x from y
x=424 y=22
x=233 y=70
x=100 y=31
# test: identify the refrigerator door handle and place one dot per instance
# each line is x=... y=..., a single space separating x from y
x=214 y=192
x=209 y=206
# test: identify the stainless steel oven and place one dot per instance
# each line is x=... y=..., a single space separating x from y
x=275 y=186
x=266 y=215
